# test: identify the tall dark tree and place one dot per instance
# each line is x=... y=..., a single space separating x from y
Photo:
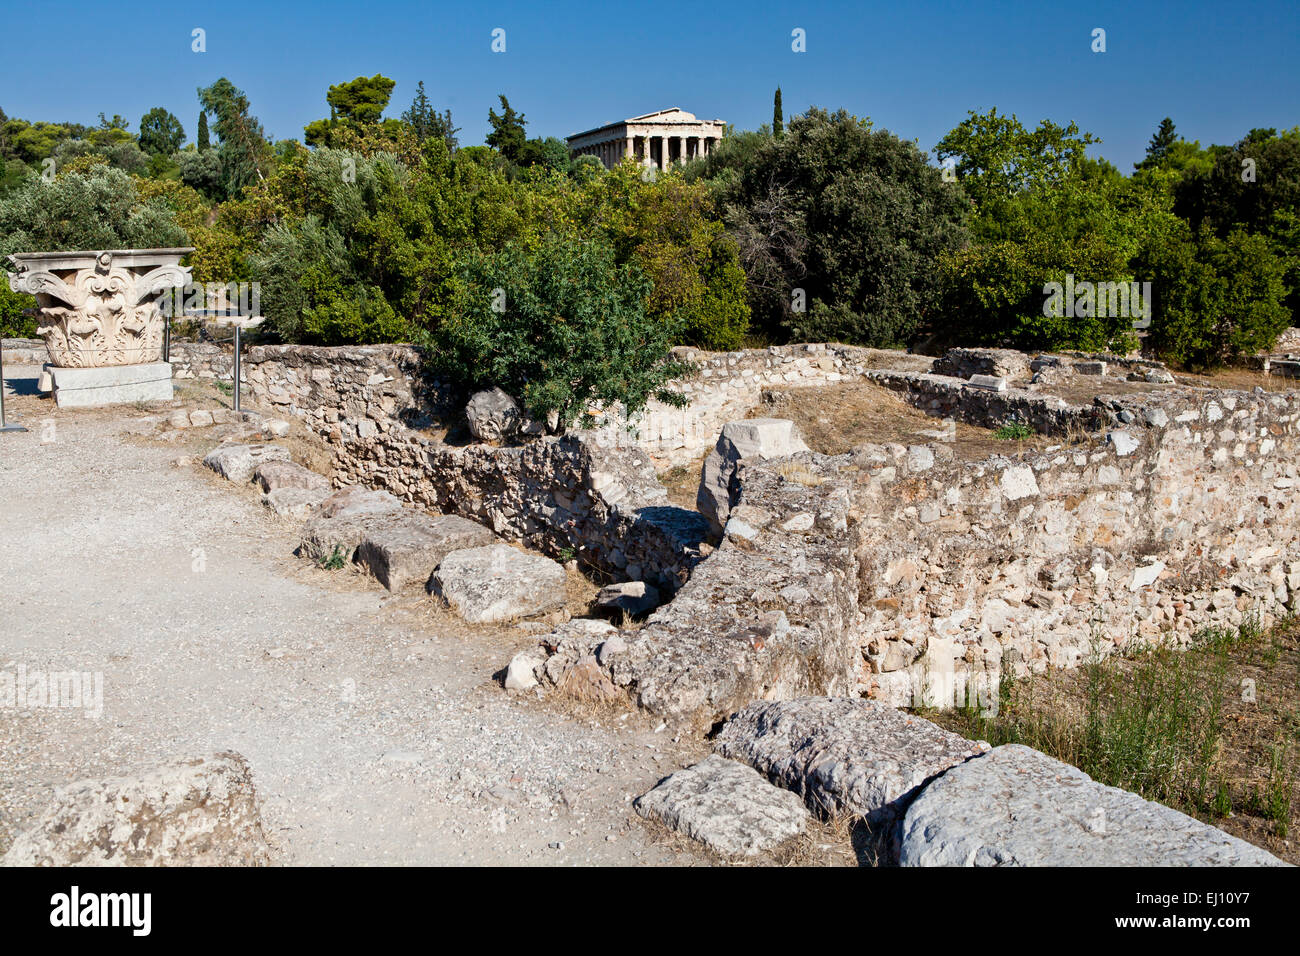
x=244 y=151
x=427 y=122
x=778 y=118
x=1158 y=147
x=202 y=140
x=507 y=135
x=161 y=133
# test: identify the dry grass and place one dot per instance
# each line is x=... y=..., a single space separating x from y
x=837 y=419
x=1176 y=727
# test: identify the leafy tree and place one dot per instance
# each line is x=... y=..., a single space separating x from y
x=837 y=226
x=200 y=169
x=358 y=102
x=778 y=120
x=203 y=142
x=551 y=153
x=561 y=326
x=244 y=151
x=161 y=133
x=123 y=154
x=1215 y=299
x=100 y=208
x=997 y=158
x=507 y=136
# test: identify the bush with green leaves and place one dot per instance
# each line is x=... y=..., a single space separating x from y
x=562 y=327
x=838 y=227
x=98 y=208
x=1215 y=299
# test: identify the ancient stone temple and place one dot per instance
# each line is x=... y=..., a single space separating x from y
x=658 y=139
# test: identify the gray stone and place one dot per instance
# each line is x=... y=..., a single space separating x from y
x=726 y=806
x=630 y=597
x=844 y=754
x=1018 y=807
x=990 y=383
x=343 y=521
x=754 y=438
x=111 y=384
x=498 y=583
x=493 y=415
x=294 y=502
x=271 y=475
x=195 y=812
x=404 y=553
x=1123 y=443
x=237 y=462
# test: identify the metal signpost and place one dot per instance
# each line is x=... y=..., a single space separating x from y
x=240 y=322
x=4 y=426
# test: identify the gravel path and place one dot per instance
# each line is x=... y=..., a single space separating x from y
x=372 y=723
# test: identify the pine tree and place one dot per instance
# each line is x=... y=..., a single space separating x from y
x=778 y=119
x=507 y=136
x=1158 y=148
x=203 y=141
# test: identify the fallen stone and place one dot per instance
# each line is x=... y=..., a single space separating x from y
x=271 y=475
x=1018 y=807
x=521 y=673
x=991 y=383
x=726 y=806
x=275 y=428
x=493 y=415
x=760 y=438
x=194 y=812
x=294 y=502
x=630 y=597
x=498 y=583
x=343 y=520
x=237 y=462
x=845 y=754
x=405 y=553
x=201 y=418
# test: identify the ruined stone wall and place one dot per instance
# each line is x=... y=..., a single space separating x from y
x=1183 y=519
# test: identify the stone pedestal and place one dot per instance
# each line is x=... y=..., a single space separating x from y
x=110 y=384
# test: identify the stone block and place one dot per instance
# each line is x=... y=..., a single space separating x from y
x=111 y=384
x=726 y=806
x=237 y=462
x=272 y=475
x=497 y=583
x=404 y=553
x=1018 y=807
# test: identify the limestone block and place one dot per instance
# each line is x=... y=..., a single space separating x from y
x=726 y=806
x=493 y=415
x=754 y=438
x=193 y=812
x=402 y=554
x=496 y=583
x=1018 y=807
x=237 y=462
x=630 y=597
x=294 y=502
x=111 y=384
x=271 y=475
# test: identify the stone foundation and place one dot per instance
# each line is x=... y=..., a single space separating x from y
x=110 y=384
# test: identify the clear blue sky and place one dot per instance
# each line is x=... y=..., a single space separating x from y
x=1217 y=68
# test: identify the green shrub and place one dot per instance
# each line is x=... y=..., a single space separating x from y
x=560 y=328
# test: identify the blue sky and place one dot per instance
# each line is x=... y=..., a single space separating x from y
x=1218 y=69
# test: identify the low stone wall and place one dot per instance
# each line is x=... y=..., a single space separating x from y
x=24 y=351
x=948 y=397
x=188 y=359
x=1184 y=519
x=568 y=497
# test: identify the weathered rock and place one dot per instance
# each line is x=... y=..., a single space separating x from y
x=343 y=520
x=493 y=415
x=1018 y=807
x=237 y=462
x=521 y=674
x=726 y=806
x=630 y=597
x=967 y=363
x=271 y=475
x=498 y=583
x=195 y=812
x=760 y=438
x=400 y=554
x=294 y=502
x=844 y=754
x=585 y=681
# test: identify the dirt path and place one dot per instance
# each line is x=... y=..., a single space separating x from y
x=372 y=723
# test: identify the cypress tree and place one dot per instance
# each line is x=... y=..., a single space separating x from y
x=203 y=132
x=778 y=120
